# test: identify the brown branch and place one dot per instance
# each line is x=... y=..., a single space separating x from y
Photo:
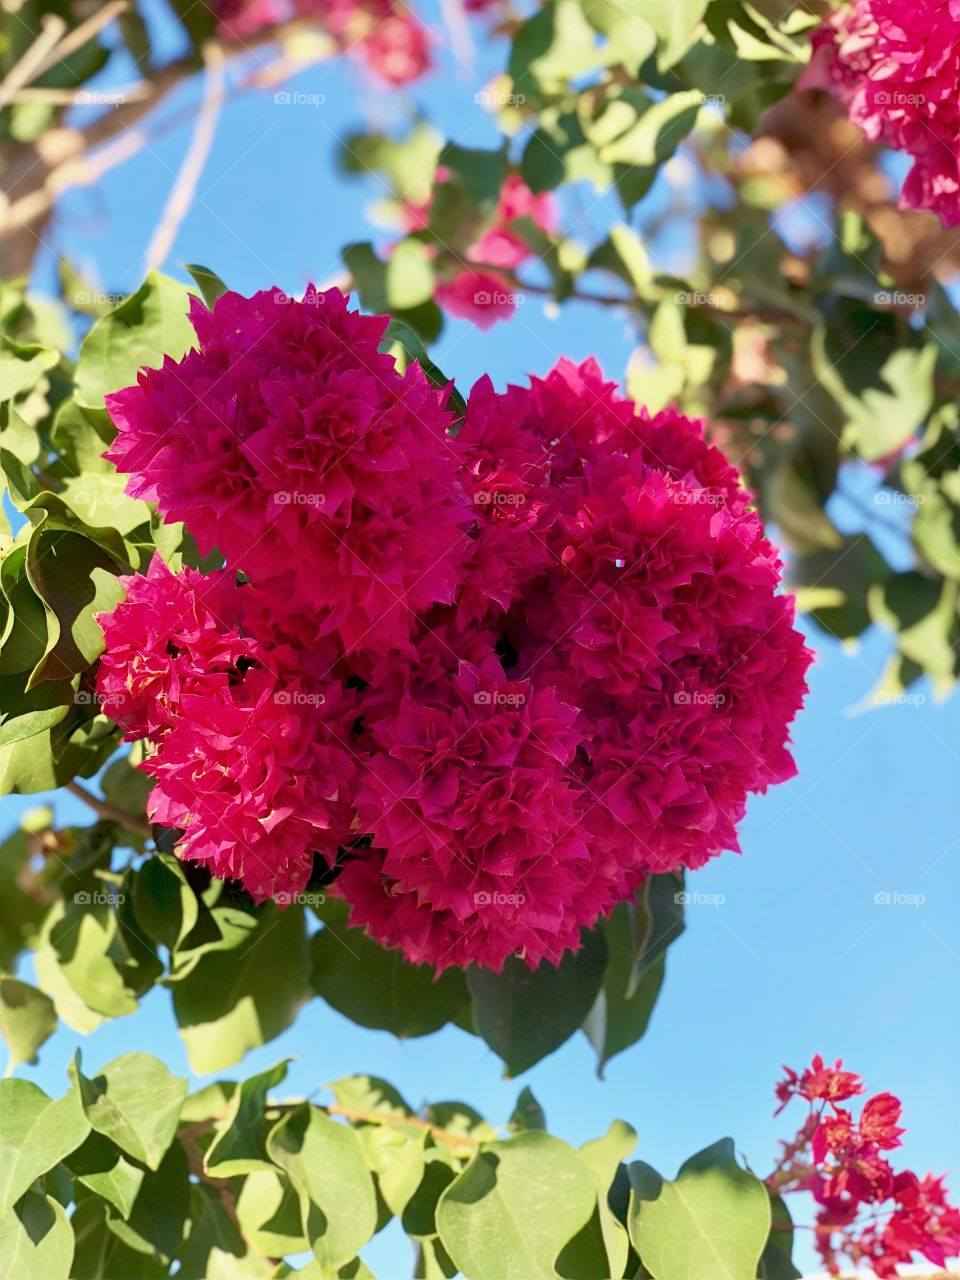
x=437 y=1132
x=196 y=157
x=109 y=812
x=445 y=1136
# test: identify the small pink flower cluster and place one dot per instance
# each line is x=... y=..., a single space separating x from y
x=481 y=293
x=497 y=676
x=866 y=1213
x=385 y=35
x=894 y=65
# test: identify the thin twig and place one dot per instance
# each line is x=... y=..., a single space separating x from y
x=138 y=92
x=198 y=152
x=83 y=34
x=109 y=812
x=378 y=1117
x=31 y=62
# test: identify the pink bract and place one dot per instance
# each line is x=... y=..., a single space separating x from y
x=895 y=67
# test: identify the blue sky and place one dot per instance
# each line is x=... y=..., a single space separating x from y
x=799 y=956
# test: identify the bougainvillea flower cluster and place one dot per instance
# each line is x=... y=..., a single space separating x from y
x=895 y=67
x=385 y=35
x=485 y=676
x=481 y=292
x=867 y=1214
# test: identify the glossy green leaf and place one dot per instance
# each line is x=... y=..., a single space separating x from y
x=36 y=1133
x=150 y=324
x=523 y=1014
x=324 y=1160
x=510 y=1212
x=236 y=1000
x=714 y=1219
x=135 y=1102
x=36 y=1241
x=239 y=1141
x=27 y=1019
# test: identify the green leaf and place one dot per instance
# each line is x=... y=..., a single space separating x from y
x=22 y=366
x=212 y=1233
x=395 y=1153
x=601 y=1249
x=37 y=1133
x=25 y=712
x=135 y=1102
x=78 y=962
x=208 y=282
x=163 y=902
x=99 y=499
x=268 y=1210
x=36 y=1241
x=100 y=1255
x=652 y=131
x=637 y=935
x=377 y=988
x=409 y=276
x=777 y=1260
x=236 y=1000
x=674 y=22
x=100 y=1165
x=239 y=1141
x=510 y=1212
x=884 y=387
x=523 y=1014
x=324 y=1160
x=714 y=1219
x=157 y=1221
x=551 y=48
x=528 y=1113
x=150 y=324
x=27 y=1019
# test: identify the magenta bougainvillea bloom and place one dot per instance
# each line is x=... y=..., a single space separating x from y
x=383 y=34
x=895 y=67
x=290 y=442
x=498 y=676
x=248 y=733
x=482 y=295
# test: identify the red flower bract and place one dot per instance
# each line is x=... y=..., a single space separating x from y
x=894 y=65
x=497 y=679
x=866 y=1213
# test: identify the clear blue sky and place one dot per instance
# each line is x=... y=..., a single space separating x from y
x=799 y=957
